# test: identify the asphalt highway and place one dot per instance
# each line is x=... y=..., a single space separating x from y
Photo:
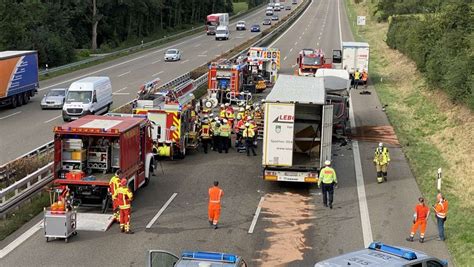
x=28 y=127
x=293 y=228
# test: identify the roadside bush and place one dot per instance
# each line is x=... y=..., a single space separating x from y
x=441 y=46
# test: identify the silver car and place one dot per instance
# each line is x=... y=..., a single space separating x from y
x=172 y=55
x=54 y=98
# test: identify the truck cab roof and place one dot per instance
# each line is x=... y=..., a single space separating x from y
x=93 y=124
x=298 y=89
x=355 y=44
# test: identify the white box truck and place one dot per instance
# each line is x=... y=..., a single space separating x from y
x=297 y=130
x=352 y=56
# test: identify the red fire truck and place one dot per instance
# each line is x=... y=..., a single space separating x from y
x=88 y=151
x=310 y=60
x=226 y=78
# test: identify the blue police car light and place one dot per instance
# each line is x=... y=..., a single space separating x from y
x=211 y=256
x=403 y=253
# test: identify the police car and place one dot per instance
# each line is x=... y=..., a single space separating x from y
x=379 y=254
x=160 y=258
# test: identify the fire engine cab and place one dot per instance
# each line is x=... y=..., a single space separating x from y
x=310 y=60
x=225 y=80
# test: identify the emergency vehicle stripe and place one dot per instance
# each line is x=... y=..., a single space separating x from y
x=177 y=125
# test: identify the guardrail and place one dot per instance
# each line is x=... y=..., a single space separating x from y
x=16 y=193
x=21 y=190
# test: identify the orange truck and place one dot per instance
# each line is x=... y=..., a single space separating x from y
x=89 y=150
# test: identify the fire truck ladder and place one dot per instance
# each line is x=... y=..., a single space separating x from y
x=176 y=87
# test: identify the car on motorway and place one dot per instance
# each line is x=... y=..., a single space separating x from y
x=275 y=17
x=240 y=26
x=294 y=2
x=269 y=11
x=267 y=22
x=255 y=28
x=287 y=7
x=54 y=98
x=161 y=258
x=172 y=55
x=222 y=33
x=277 y=7
x=379 y=254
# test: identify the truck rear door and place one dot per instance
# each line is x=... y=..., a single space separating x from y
x=349 y=58
x=362 y=58
x=326 y=133
x=278 y=134
x=158 y=129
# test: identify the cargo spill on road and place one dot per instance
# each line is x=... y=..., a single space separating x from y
x=289 y=215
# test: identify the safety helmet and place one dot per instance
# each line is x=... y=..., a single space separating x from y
x=216 y=118
x=327 y=162
x=241 y=109
x=239 y=117
x=123 y=182
x=222 y=105
x=211 y=115
x=206 y=116
x=247 y=107
x=380 y=144
x=224 y=120
x=227 y=104
x=247 y=124
x=257 y=108
x=249 y=118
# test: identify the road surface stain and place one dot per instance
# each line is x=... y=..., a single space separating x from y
x=376 y=134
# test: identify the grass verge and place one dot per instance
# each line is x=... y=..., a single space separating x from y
x=433 y=132
x=25 y=213
x=240 y=7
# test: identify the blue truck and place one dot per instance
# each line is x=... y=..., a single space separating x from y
x=18 y=77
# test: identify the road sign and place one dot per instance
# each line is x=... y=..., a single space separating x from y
x=360 y=20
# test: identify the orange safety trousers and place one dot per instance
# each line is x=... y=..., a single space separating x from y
x=125 y=219
x=214 y=211
x=115 y=206
x=421 y=223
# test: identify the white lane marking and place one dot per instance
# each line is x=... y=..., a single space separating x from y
x=121 y=89
x=120 y=93
x=187 y=60
x=285 y=58
x=294 y=23
x=204 y=52
x=319 y=38
x=156 y=61
x=294 y=65
x=317 y=44
x=198 y=45
x=123 y=74
x=238 y=37
x=300 y=38
x=202 y=55
x=219 y=45
x=291 y=50
x=156 y=74
x=19 y=240
x=55 y=118
x=148 y=226
x=363 y=207
x=296 y=43
x=255 y=217
x=8 y=116
x=339 y=16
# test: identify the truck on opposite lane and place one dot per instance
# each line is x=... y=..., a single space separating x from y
x=88 y=151
x=297 y=130
x=18 y=77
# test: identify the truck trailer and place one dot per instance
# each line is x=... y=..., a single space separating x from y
x=352 y=56
x=88 y=151
x=297 y=130
x=18 y=77
x=215 y=20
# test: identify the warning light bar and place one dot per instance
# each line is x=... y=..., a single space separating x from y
x=402 y=253
x=85 y=130
x=210 y=256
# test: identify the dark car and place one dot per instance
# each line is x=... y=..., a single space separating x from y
x=287 y=7
x=275 y=17
x=267 y=22
x=255 y=28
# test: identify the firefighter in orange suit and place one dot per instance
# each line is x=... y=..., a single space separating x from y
x=124 y=197
x=114 y=184
x=419 y=220
x=214 y=209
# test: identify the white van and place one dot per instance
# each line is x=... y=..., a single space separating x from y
x=269 y=11
x=222 y=33
x=91 y=95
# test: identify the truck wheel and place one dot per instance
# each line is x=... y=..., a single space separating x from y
x=14 y=102
x=26 y=98
x=20 y=99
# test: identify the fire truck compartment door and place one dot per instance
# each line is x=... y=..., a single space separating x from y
x=158 y=129
x=326 y=135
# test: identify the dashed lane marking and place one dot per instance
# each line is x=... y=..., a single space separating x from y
x=148 y=226
x=255 y=217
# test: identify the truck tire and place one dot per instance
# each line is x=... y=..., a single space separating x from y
x=14 y=102
x=26 y=98
x=20 y=99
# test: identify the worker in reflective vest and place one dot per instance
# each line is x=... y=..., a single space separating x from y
x=238 y=129
x=205 y=134
x=214 y=208
x=224 y=133
x=381 y=161
x=365 y=76
x=249 y=136
x=124 y=197
x=241 y=112
x=114 y=185
x=441 y=210
x=356 y=78
x=328 y=179
x=230 y=116
x=222 y=112
x=419 y=220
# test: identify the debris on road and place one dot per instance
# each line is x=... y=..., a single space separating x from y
x=376 y=134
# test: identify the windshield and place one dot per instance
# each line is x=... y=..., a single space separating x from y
x=56 y=93
x=221 y=32
x=212 y=23
x=171 y=52
x=79 y=96
x=311 y=61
